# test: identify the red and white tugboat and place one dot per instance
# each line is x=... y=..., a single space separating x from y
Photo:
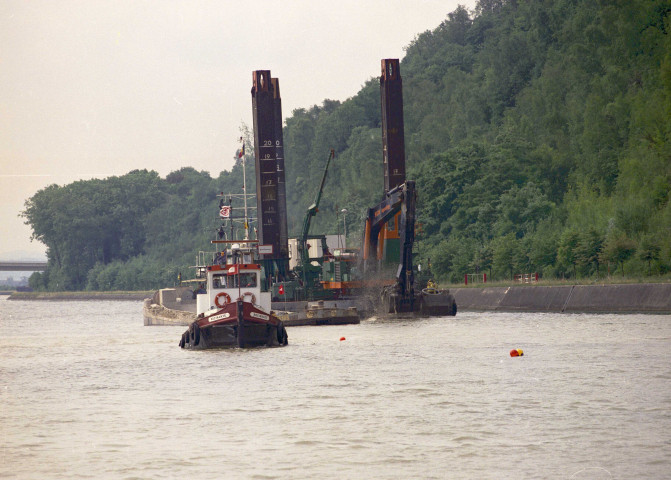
x=235 y=309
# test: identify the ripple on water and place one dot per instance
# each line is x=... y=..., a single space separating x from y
x=92 y=390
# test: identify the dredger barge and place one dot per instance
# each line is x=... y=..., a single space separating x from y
x=384 y=271
x=381 y=272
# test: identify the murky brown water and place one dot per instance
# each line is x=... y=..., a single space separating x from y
x=86 y=391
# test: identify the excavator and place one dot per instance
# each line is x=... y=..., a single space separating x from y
x=393 y=221
x=386 y=259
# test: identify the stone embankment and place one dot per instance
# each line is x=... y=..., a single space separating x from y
x=79 y=295
x=626 y=298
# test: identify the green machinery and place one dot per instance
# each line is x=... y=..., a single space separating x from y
x=314 y=278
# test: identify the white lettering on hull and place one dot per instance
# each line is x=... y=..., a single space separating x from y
x=214 y=318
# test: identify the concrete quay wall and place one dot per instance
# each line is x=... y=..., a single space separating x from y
x=626 y=298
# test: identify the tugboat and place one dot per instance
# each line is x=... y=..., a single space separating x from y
x=235 y=309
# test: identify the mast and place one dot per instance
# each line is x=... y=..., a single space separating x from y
x=244 y=189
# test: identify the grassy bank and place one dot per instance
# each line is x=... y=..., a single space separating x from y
x=108 y=295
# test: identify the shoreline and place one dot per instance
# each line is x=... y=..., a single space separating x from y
x=603 y=298
x=46 y=296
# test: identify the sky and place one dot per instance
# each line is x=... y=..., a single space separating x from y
x=91 y=89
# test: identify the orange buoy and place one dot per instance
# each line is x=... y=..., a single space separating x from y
x=342 y=338
x=517 y=352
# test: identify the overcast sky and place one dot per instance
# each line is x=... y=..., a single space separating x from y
x=97 y=88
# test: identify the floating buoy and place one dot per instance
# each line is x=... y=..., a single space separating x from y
x=517 y=352
x=342 y=339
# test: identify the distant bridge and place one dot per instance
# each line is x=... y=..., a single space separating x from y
x=23 y=266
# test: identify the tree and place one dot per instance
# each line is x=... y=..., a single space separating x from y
x=567 y=254
x=442 y=257
x=504 y=255
x=484 y=7
x=547 y=121
x=483 y=260
x=520 y=209
x=618 y=248
x=588 y=249
x=649 y=250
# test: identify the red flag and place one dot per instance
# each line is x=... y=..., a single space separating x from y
x=281 y=290
x=225 y=211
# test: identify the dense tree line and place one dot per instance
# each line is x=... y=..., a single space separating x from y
x=538 y=133
x=133 y=232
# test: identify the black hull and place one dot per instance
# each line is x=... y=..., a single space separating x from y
x=437 y=303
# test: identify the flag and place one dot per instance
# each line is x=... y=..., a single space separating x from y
x=225 y=211
x=240 y=152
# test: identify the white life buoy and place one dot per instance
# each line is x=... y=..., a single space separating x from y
x=250 y=294
x=225 y=296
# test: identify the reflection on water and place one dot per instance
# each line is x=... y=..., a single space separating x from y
x=87 y=391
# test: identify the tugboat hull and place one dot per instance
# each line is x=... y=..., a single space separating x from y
x=239 y=324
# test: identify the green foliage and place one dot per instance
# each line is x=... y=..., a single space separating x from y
x=588 y=251
x=618 y=248
x=520 y=209
x=539 y=135
x=506 y=255
x=567 y=253
x=648 y=251
x=132 y=232
x=92 y=221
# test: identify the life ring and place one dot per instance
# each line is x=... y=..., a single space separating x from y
x=244 y=295
x=227 y=299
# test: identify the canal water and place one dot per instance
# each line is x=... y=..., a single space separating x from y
x=86 y=391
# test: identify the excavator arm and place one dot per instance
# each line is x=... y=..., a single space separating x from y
x=400 y=199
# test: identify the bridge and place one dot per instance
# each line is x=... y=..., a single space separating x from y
x=23 y=266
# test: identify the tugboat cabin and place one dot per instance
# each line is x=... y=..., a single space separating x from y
x=233 y=277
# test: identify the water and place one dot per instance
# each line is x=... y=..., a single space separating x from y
x=86 y=391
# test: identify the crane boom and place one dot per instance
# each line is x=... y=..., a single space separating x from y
x=312 y=211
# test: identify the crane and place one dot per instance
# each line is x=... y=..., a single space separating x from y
x=311 y=212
